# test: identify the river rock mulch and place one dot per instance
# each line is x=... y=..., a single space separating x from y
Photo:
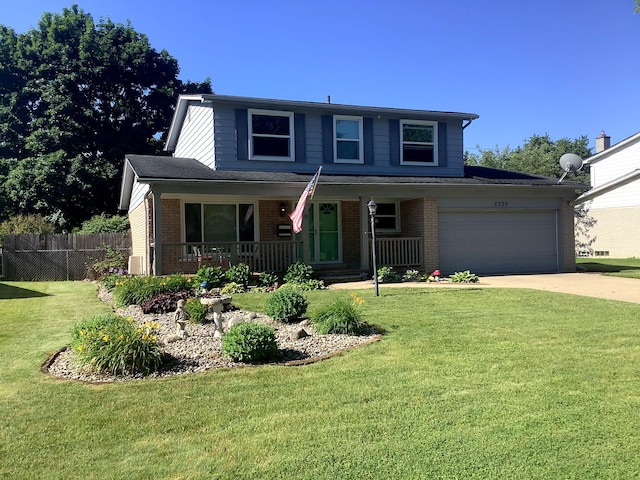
x=199 y=351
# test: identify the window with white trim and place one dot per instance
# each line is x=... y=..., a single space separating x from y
x=347 y=139
x=271 y=135
x=216 y=222
x=388 y=216
x=419 y=142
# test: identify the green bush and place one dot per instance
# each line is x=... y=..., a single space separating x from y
x=267 y=279
x=233 y=287
x=239 y=273
x=340 y=317
x=287 y=304
x=388 y=275
x=213 y=276
x=298 y=273
x=196 y=310
x=105 y=224
x=111 y=280
x=411 y=276
x=114 y=261
x=250 y=342
x=111 y=343
x=464 y=277
x=25 y=224
x=137 y=289
x=308 y=285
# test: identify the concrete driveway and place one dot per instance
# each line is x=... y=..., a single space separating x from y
x=585 y=284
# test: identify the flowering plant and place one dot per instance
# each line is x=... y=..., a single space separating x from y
x=341 y=316
x=117 y=345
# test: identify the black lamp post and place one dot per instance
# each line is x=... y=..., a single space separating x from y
x=372 y=213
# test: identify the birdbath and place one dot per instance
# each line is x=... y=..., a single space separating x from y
x=216 y=304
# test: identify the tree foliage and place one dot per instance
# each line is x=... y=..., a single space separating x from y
x=75 y=96
x=538 y=156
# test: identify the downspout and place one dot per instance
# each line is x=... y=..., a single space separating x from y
x=467 y=124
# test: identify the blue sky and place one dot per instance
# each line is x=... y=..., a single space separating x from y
x=566 y=68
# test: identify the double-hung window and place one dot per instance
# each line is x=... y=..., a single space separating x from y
x=419 y=142
x=347 y=139
x=215 y=222
x=387 y=216
x=271 y=135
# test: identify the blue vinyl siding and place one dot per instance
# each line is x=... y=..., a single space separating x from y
x=242 y=133
x=442 y=144
x=394 y=142
x=313 y=145
x=367 y=133
x=300 y=128
x=327 y=138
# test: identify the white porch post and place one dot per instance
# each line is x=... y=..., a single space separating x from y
x=157 y=234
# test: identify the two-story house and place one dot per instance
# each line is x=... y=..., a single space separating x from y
x=239 y=165
x=614 y=200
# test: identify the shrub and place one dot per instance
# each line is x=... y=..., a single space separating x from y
x=308 y=285
x=286 y=304
x=411 y=276
x=233 y=287
x=250 y=342
x=164 y=302
x=112 y=279
x=114 y=261
x=340 y=317
x=213 y=276
x=137 y=289
x=114 y=344
x=196 y=311
x=388 y=275
x=464 y=277
x=105 y=224
x=239 y=273
x=298 y=273
x=267 y=279
x=25 y=224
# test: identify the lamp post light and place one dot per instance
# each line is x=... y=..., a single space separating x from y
x=372 y=213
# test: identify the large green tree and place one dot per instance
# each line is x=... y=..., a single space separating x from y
x=539 y=155
x=75 y=96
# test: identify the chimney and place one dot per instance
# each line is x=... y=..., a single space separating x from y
x=602 y=142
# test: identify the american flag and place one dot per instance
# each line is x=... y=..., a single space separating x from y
x=296 y=215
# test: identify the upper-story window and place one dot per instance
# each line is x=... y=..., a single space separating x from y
x=271 y=135
x=347 y=138
x=419 y=142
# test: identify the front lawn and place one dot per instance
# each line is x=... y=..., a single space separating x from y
x=468 y=383
x=617 y=267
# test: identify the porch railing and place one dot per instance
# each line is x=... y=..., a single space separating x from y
x=399 y=252
x=260 y=256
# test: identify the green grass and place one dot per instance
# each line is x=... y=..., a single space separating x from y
x=617 y=267
x=468 y=383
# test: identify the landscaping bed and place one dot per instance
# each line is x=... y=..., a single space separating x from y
x=199 y=350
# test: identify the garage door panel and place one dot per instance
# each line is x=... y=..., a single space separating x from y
x=492 y=242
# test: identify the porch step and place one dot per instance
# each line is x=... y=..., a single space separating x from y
x=342 y=276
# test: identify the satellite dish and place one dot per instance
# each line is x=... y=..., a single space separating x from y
x=569 y=162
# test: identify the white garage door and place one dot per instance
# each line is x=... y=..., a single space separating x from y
x=498 y=242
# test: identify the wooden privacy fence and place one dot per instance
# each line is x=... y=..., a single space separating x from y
x=54 y=257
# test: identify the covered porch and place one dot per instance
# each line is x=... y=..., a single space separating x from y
x=276 y=256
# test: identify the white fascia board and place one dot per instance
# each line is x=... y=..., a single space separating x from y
x=618 y=146
x=607 y=187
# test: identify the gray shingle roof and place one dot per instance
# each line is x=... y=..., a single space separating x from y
x=160 y=168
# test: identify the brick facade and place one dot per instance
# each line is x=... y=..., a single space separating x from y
x=419 y=218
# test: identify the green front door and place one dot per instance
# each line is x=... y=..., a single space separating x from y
x=324 y=233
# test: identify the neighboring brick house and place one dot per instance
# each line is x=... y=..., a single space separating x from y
x=614 y=200
x=239 y=165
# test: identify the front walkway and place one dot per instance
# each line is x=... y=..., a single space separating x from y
x=585 y=284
